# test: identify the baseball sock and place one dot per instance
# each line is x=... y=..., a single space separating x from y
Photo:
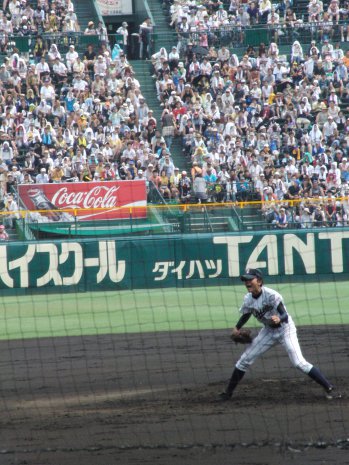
x=236 y=377
x=317 y=376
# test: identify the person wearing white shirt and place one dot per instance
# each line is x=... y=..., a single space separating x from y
x=217 y=81
x=256 y=91
x=228 y=99
x=47 y=92
x=173 y=57
x=60 y=70
x=100 y=66
x=279 y=71
x=11 y=206
x=255 y=169
x=122 y=30
x=330 y=128
x=42 y=68
x=326 y=48
x=266 y=90
x=291 y=169
x=259 y=184
x=43 y=109
x=80 y=84
x=42 y=177
x=334 y=174
x=221 y=14
x=33 y=133
x=223 y=54
x=78 y=66
x=71 y=57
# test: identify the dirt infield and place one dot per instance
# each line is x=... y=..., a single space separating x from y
x=151 y=399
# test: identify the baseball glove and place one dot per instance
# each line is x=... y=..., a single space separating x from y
x=244 y=337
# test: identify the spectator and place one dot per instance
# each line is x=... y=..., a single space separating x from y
x=318 y=217
x=200 y=188
x=91 y=29
x=42 y=177
x=12 y=208
x=281 y=221
x=123 y=31
x=168 y=127
x=305 y=218
x=3 y=234
x=145 y=31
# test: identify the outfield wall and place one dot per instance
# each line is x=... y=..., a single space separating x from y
x=190 y=260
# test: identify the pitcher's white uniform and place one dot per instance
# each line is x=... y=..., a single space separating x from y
x=263 y=308
x=268 y=307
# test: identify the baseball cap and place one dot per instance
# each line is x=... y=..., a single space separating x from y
x=251 y=273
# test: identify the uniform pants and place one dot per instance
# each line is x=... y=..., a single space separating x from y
x=267 y=338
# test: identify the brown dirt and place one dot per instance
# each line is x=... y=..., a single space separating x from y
x=151 y=399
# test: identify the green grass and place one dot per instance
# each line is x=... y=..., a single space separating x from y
x=160 y=310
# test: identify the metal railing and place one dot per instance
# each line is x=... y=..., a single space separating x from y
x=239 y=36
x=171 y=219
x=26 y=44
x=231 y=36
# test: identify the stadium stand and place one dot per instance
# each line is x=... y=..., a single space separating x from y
x=264 y=125
x=241 y=122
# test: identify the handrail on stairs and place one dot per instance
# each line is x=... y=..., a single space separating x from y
x=207 y=218
x=149 y=13
x=98 y=11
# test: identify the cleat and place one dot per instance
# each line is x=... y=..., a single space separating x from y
x=224 y=396
x=331 y=394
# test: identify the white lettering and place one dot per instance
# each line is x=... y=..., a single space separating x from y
x=336 y=248
x=66 y=249
x=97 y=197
x=306 y=251
x=52 y=273
x=269 y=242
x=233 y=251
x=23 y=264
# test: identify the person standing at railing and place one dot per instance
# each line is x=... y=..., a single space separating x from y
x=123 y=31
x=102 y=32
x=91 y=29
x=243 y=21
x=200 y=188
x=11 y=207
x=70 y=23
x=145 y=31
x=281 y=220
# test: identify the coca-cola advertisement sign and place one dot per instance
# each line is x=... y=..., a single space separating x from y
x=87 y=201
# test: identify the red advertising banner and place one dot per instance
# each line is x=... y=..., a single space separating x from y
x=85 y=200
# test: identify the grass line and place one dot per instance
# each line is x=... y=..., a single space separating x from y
x=160 y=310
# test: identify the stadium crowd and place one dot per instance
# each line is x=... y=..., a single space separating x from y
x=68 y=116
x=263 y=126
x=258 y=127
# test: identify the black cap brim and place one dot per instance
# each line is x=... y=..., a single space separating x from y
x=248 y=277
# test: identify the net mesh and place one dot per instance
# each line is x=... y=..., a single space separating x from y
x=121 y=345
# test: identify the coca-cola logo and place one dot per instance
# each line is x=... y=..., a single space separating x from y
x=97 y=197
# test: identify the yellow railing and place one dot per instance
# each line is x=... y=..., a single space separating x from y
x=182 y=207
